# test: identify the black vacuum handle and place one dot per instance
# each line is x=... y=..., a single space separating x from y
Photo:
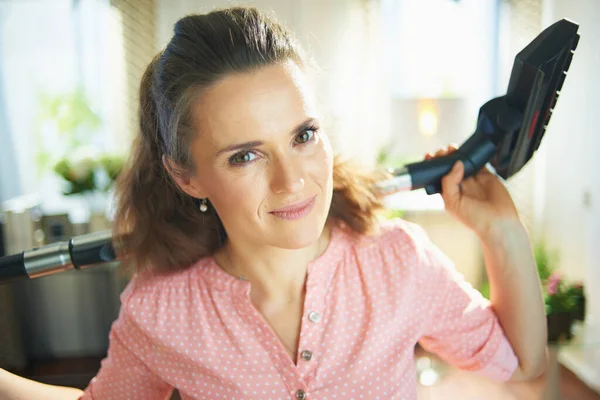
x=496 y=118
x=474 y=154
x=12 y=268
x=429 y=173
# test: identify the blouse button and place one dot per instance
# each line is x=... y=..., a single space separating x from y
x=301 y=394
x=307 y=355
x=314 y=316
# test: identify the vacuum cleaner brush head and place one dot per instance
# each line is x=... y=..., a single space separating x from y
x=538 y=73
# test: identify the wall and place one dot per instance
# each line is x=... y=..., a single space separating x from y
x=571 y=177
x=457 y=241
x=570 y=148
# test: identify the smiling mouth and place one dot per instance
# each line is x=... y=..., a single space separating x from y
x=295 y=211
x=294 y=207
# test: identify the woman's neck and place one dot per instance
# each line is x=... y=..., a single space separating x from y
x=274 y=274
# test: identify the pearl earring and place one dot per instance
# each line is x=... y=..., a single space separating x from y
x=203 y=206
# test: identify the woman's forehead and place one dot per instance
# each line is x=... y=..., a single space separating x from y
x=270 y=100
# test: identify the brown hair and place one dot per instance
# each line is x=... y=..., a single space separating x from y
x=157 y=225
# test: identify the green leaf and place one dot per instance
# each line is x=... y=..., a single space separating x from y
x=71 y=113
x=546 y=260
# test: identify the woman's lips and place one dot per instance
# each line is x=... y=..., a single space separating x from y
x=295 y=206
x=296 y=211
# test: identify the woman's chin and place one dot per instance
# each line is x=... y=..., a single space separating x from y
x=299 y=234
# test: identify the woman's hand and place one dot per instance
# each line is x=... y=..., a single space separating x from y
x=481 y=201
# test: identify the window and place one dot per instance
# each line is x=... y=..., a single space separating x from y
x=442 y=48
x=61 y=86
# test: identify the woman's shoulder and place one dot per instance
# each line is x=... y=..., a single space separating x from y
x=395 y=246
x=163 y=290
x=157 y=308
x=392 y=261
x=388 y=234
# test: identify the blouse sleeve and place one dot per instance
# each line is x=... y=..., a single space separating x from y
x=124 y=373
x=463 y=328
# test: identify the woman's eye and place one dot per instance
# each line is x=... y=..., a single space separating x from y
x=242 y=158
x=305 y=136
x=245 y=157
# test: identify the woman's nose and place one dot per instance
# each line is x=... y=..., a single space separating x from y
x=287 y=177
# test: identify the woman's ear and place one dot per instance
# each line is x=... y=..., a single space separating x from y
x=182 y=178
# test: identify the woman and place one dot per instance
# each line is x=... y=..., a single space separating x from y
x=262 y=269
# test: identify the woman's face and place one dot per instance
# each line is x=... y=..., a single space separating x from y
x=259 y=150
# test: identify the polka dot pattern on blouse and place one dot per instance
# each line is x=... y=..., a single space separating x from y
x=369 y=301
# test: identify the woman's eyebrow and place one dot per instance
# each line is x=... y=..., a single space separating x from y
x=255 y=143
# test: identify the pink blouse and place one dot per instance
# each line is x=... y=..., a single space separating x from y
x=369 y=300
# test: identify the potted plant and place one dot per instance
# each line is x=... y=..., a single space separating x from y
x=66 y=122
x=85 y=172
x=565 y=304
x=90 y=176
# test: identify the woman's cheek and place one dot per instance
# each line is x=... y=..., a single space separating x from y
x=228 y=189
x=321 y=165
